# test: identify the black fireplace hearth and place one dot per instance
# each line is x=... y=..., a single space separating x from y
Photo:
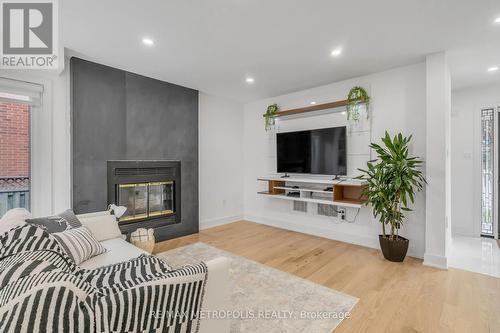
x=149 y=189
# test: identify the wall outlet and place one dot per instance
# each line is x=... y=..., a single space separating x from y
x=341 y=213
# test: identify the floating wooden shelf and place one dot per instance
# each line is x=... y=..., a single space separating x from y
x=312 y=108
x=274 y=187
x=348 y=194
x=313 y=200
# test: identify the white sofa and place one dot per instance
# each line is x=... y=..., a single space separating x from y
x=216 y=297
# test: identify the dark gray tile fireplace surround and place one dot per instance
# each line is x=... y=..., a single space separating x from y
x=117 y=115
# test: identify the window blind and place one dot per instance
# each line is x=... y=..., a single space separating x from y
x=20 y=92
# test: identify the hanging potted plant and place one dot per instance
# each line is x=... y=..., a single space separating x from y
x=392 y=181
x=270 y=116
x=357 y=96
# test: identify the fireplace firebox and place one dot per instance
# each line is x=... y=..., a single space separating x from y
x=149 y=189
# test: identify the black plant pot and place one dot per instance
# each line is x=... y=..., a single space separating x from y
x=394 y=250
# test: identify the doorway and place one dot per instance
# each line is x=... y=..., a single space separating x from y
x=488 y=168
x=490 y=172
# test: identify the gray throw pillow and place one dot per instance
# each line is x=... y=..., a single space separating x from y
x=57 y=223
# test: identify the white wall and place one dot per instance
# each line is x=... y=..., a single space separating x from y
x=221 y=160
x=62 y=142
x=438 y=108
x=465 y=155
x=398 y=104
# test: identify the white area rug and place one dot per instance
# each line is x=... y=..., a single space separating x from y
x=278 y=301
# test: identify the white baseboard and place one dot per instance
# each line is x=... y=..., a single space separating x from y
x=366 y=241
x=435 y=261
x=462 y=232
x=219 y=221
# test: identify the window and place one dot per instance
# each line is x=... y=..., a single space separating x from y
x=14 y=156
x=487 y=173
x=17 y=99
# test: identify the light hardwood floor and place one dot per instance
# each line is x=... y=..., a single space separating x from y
x=394 y=297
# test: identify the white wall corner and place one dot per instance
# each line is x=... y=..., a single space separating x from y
x=436 y=261
x=219 y=221
x=220 y=160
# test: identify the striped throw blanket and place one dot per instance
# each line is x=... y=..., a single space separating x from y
x=42 y=290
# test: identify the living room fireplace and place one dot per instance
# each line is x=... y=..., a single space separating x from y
x=149 y=189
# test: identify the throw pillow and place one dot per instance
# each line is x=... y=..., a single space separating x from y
x=17 y=213
x=103 y=226
x=79 y=244
x=57 y=223
x=13 y=218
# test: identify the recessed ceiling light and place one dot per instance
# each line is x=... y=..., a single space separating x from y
x=313 y=103
x=336 y=52
x=497 y=20
x=148 y=41
x=250 y=80
x=343 y=112
x=493 y=69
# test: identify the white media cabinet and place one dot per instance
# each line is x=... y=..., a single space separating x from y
x=345 y=192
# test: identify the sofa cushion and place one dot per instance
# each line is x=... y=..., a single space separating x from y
x=13 y=218
x=56 y=223
x=118 y=250
x=22 y=213
x=79 y=244
x=103 y=226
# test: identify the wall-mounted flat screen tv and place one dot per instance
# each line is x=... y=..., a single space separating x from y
x=319 y=151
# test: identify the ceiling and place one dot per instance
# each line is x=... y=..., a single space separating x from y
x=469 y=64
x=213 y=45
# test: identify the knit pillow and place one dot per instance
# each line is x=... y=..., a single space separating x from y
x=56 y=223
x=79 y=244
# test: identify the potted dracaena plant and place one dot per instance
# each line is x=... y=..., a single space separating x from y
x=392 y=180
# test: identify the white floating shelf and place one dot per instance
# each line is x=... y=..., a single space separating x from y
x=347 y=192
x=311 y=180
x=300 y=189
x=343 y=203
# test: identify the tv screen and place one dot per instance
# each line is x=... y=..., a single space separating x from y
x=319 y=151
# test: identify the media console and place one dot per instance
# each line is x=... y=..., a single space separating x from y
x=341 y=192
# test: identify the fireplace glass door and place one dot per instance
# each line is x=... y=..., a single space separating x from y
x=161 y=198
x=146 y=200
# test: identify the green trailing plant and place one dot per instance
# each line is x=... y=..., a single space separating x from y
x=392 y=180
x=270 y=116
x=356 y=97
